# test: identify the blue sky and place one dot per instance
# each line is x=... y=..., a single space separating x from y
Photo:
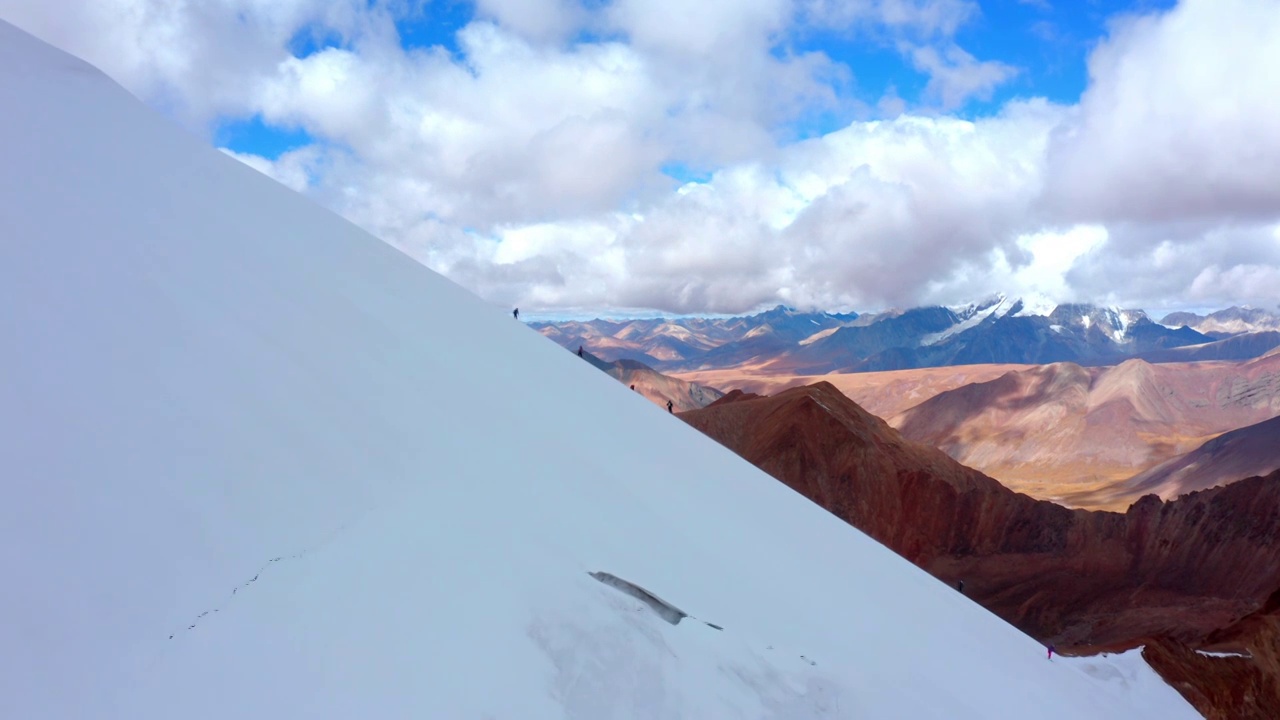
x=1046 y=41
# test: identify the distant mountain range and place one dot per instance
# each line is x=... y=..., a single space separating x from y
x=1241 y=453
x=998 y=329
x=1075 y=434
x=1225 y=323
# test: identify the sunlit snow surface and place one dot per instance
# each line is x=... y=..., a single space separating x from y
x=973 y=317
x=1126 y=672
x=1035 y=304
x=349 y=489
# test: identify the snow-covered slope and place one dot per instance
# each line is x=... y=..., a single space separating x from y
x=971 y=316
x=257 y=463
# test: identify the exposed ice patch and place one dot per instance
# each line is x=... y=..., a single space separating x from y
x=664 y=609
x=621 y=664
x=1210 y=653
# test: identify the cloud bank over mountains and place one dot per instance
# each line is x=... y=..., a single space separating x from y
x=569 y=155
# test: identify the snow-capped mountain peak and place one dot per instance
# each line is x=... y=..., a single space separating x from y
x=971 y=316
x=1036 y=305
x=1112 y=322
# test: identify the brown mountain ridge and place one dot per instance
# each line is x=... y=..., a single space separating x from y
x=1175 y=571
x=1248 y=451
x=1071 y=434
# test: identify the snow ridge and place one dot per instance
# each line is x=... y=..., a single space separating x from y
x=212 y=368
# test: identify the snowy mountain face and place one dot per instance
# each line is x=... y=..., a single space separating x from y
x=1113 y=323
x=260 y=464
x=849 y=345
x=970 y=316
x=1034 y=306
x=1001 y=330
x=997 y=303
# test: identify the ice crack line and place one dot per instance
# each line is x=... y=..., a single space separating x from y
x=261 y=569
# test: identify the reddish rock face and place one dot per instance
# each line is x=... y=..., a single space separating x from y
x=1221 y=688
x=1086 y=579
x=1236 y=676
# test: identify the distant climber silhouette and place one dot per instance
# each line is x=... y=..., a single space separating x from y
x=516 y=313
x=579 y=351
x=669 y=406
x=960 y=585
x=1051 y=649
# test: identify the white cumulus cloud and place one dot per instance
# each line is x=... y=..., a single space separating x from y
x=532 y=160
